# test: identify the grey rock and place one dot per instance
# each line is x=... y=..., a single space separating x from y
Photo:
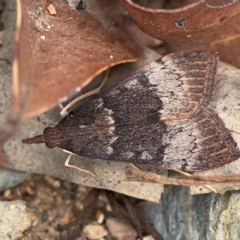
x=181 y=216
x=13 y=219
x=10 y=178
x=9 y=20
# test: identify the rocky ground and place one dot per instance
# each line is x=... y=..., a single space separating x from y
x=52 y=202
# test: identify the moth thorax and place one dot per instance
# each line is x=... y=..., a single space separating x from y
x=52 y=137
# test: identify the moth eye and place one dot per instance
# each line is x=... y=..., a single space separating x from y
x=48 y=130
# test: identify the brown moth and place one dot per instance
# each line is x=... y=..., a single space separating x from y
x=160 y=117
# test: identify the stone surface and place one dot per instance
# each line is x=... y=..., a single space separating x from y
x=121 y=230
x=182 y=216
x=10 y=178
x=14 y=219
x=95 y=231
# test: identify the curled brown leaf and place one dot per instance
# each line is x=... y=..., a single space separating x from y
x=62 y=52
x=225 y=41
x=185 y=24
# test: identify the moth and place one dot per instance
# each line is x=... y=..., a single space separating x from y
x=160 y=116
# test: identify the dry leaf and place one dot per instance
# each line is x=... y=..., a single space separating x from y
x=225 y=41
x=183 y=24
x=58 y=54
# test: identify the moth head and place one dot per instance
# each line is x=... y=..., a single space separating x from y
x=51 y=137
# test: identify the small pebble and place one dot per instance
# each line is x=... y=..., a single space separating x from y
x=29 y=190
x=100 y=216
x=7 y=193
x=94 y=231
x=34 y=218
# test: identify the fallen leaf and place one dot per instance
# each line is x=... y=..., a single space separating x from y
x=53 y=62
x=182 y=25
x=225 y=41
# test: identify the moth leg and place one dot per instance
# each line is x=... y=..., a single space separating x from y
x=80 y=169
x=134 y=166
x=207 y=186
x=64 y=111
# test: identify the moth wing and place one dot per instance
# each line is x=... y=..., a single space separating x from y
x=198 y=143
x=172 y=87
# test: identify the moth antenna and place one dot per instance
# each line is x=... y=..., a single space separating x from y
x=36 y=139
